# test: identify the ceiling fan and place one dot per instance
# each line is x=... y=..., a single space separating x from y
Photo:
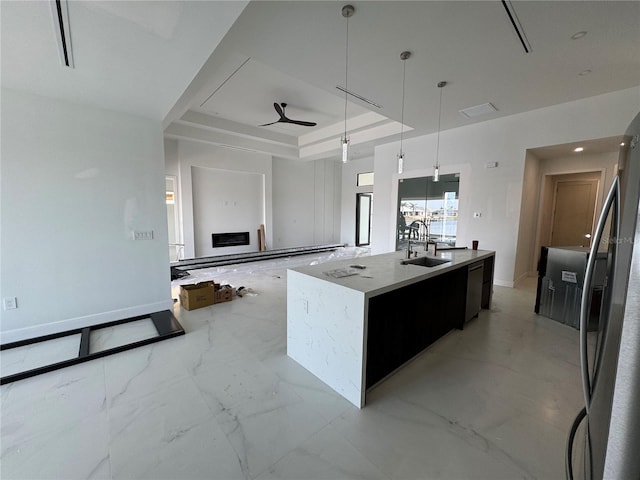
x=284 y=119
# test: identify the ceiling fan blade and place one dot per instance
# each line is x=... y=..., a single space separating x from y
x=284 y=119
x=304 y=124
x=279 y=110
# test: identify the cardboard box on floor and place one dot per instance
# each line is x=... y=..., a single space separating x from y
x=222 y=293
x=197 y=295
x=203 y=294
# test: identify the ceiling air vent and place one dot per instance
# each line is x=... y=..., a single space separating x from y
x=60 y=14
x=478 y=110
x=359 y=97
x=517 y=26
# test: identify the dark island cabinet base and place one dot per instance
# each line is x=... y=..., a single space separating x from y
x=403 y=322
x=487 y=282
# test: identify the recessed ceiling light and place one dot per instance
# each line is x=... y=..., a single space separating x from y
x=578 y=149
x=585 y=72
x=622 y=144
x=578 y=35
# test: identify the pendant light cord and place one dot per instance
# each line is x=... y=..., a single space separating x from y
x=441 y=86
x=346 y=79
x=404 y=74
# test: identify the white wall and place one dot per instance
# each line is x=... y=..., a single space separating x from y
x=350 y=173
x=529 y=209
x=206 y=156
x=293 y=203
x=306 y=202
x=76 y=182
x=226 y=202
x=496 y=193
x=171 y=161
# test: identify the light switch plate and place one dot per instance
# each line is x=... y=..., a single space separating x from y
x=9 y=303
x=140 y=235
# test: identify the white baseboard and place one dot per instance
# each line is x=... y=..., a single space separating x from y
x=503 y=283
x=523 y=277
x=35 y=331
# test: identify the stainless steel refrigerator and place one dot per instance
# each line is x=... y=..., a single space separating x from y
x=604 y=441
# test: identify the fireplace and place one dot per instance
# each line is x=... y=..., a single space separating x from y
x=229 y=239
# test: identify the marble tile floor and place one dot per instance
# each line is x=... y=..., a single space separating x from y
x=493 y=401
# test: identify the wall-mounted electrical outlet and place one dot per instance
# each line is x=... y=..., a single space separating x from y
x=9 y=303
x=147 y=235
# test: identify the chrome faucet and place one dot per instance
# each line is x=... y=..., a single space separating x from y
x=409 y=252
x=435 y=246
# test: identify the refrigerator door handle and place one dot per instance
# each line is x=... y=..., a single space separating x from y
x=568 y=457
x=612 y=200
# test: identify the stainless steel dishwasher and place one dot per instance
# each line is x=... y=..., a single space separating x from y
x=474 y=290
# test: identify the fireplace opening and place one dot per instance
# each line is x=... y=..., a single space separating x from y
x=229 y=239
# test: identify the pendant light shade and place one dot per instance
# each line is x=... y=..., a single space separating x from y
x=345 y=149
x=436 y=167
x=347 y=12
x=400 y=163
x=403 y=56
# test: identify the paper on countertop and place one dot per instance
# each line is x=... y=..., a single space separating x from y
x=342 y=272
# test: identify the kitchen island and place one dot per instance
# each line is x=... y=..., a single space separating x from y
x=352 y=327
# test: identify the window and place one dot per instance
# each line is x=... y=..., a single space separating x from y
x=427 y=210
x=365 y=179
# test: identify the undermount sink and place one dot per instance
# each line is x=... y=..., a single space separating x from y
x=425 y=261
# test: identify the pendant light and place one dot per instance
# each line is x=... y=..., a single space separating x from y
x=347 y=12
x=436 y=167
x=403 y=57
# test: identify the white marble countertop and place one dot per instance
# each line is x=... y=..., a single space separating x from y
x=385 y=272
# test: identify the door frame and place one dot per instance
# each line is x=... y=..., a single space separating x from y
x=179 y=245
x=358 y=196
x=546 y=197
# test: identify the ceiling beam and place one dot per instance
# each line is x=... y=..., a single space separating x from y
x=189 y=132
x=220 y=124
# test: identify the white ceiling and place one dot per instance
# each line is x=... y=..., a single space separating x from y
x=590 y=147
x=213 y=69
x=294 y=52
x=136 y=57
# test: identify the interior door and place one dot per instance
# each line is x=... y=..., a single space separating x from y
x=574 y=207
x=364 y=207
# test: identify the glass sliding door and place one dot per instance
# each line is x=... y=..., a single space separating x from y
x=427 y=211
x=364 y=207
